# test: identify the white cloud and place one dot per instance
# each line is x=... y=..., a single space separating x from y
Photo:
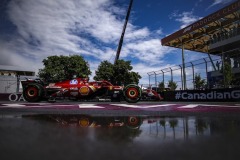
x=185 y=18
x=216 y=2
x=64 y=31
x=90 y=28
x=132 y=33
x=144 y=69
x=148 y=51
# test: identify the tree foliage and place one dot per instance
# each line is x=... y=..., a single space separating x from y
x=104 y=72
x=161 y=86
x=199 y=82
x=172 y=85
x=57 y=68
x=227 y=73
x=119 y=73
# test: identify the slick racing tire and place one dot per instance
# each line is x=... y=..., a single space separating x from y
x=33 y=92
x=132 y=93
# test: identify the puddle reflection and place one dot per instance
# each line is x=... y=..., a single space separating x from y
x=146 y=128
x=104 y=137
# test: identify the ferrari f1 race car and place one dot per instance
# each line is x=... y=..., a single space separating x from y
x=80 y=89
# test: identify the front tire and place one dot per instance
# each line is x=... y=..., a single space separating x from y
x=132 y=93
x=133 y=122
x=84 y=121
x=33 y=92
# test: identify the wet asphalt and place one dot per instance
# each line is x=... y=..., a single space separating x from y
x=48 y=134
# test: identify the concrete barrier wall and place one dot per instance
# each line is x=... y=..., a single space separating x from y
x=8 y=84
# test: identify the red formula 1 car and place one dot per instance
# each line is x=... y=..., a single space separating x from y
x=79 y=89
x=150 y=95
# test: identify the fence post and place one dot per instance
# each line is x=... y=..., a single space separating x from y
x=181 y=77
x=206 y=70
x=163 y=76
x=149 y=78
x=193 y=75
x=155 y=78
x=183 y=68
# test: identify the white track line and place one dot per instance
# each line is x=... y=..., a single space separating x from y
x=89 y=106
x=143 y=106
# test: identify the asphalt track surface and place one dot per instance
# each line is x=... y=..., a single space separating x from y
x=122 y=108
x=216 y=137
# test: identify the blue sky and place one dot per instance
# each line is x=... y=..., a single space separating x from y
x=31 y=30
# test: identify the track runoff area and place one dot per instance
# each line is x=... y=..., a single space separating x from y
x=119 y=108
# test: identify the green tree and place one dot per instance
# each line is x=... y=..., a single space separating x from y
x=163 y=123
x=104 y=72
x=201 y=125
x=57 y=68
x=161 y=86
x=199 y=82
x=119 y=73
x=172 y=85
x=173 y=123
x=227 y=73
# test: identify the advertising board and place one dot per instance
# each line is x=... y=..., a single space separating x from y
x=11 y=97
x=221 y=95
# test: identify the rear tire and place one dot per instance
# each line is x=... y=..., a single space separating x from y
x=33 y=92
x=132 y=93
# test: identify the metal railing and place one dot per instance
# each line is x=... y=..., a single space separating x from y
x=201 y=66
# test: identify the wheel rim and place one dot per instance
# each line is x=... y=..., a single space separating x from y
x=132 y=92
x=133 y=121
x=84 y=122
x=32 y=92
